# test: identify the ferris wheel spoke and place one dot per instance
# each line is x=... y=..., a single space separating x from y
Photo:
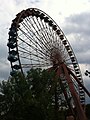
x=51 y=34
x=33 y=43
x=33 y=55
x=31 y=40
x=46 y=33
x=34 y=65
x=35 y=50
x=36 y=38
x=40 y=29
x=35 y=60
x=42 y=32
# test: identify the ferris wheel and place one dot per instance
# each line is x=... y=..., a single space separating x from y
x=36 y=41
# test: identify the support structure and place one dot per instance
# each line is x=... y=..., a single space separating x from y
x=64 y=73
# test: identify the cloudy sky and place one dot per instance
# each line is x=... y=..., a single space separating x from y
x=73 y=16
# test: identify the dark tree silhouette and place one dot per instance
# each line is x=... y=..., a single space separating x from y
x=29 y=97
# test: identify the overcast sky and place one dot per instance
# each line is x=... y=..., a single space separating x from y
x=73 y=16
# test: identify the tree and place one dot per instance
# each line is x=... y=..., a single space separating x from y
x=30 y=96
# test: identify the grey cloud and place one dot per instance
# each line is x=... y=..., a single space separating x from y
x=4 y=64
x=78 y=23
x=87 y=85
x=78 y=27
x=19 y=2
x=3 y=53
x=79 y=18
x=4 y=70
x=35 y=1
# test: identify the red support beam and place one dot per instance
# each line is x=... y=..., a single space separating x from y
x=88 y=93
x=79 y=109
x=58 y=73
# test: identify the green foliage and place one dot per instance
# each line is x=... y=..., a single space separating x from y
x=29 y=97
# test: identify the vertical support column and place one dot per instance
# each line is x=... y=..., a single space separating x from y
x=79 y=109
x=60 y=73
x=88 y=93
